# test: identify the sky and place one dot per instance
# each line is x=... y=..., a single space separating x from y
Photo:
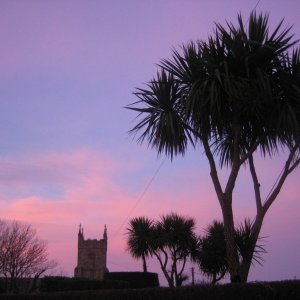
x=67 y=70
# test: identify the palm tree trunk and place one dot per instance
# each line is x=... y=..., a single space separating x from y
x=246 y=263
x=245 y=268
x=225 y=200
x=144 y=264
x=231 y=249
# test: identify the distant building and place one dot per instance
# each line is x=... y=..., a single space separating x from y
x=91 y=261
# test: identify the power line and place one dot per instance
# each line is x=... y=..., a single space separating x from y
x=256 y=5
x=139 y=199
x=253 y=9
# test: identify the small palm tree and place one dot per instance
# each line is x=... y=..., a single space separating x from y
x=139 y=235
x=211 y=252
x=173 y=243
x=211 y=255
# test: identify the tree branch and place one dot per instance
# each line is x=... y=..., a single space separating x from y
x=163 y=266
x=183 y=266
x=256 y=184
x=250 y=152
x=291 y=163
x=210 y=157
x=213 y=169
x=235 y=164
x=222 y=274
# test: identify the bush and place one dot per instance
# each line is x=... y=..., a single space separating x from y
x=137 y=280
x=55 y=284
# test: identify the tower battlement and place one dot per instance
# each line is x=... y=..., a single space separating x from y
x=91 y=259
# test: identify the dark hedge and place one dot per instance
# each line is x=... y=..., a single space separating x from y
x=56 y=284
x=284 y=290
x=137 y=280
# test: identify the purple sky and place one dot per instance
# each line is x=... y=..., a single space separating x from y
x=67 y=69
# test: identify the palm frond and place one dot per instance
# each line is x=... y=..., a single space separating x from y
x=247 y=245
x=163 y=117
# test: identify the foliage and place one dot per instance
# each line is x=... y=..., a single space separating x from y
x=211 y=253
x=22 y=254
x=245 y=242
x=211 y=257
x=171 y=240
x=139 y=232
x=136 y=280
x=173 y=243
x=236 y=94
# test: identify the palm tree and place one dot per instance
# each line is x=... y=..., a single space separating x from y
x=173 y=243
x=211 y=255
x=139 y=236
x=236 y=94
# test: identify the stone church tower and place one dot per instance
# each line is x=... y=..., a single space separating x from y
x=91 y=261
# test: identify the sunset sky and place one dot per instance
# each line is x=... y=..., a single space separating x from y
x=67 y=69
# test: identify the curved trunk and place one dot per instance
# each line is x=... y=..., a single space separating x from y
x=163 y=266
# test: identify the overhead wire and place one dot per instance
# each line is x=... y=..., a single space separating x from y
x=256 y=5
x=139 y=198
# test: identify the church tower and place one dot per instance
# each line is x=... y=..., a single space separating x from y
x=91 y=259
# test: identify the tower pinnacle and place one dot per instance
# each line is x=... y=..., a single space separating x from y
x=105 y=233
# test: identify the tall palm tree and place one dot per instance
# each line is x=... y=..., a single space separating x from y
x=139 y=236
x=236 y=94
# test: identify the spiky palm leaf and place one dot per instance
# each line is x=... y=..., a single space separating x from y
x=164 y=125
x=246 y=242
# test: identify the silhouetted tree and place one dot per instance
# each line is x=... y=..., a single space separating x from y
x=22 y=253
x=237 y=94
x=171 y=240
x=139 y=238
x=212 y=258
x=211 y=253
x=172 y=244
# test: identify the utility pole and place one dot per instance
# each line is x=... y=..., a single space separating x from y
x=193 y=276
